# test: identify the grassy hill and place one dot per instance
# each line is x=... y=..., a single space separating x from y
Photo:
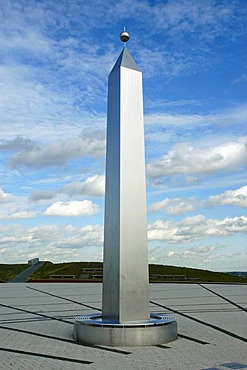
x=158 y=273
x=65 y=268
x=8 y=272
x=193 y=274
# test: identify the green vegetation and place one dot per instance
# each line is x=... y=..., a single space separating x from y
x=8 y=272
x=158 y=273
x=168 y=272
x=66 y=268
x=194 y=274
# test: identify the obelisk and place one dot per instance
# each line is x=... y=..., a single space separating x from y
x=125 y=279
x=125 y=318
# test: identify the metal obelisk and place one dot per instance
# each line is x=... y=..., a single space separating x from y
x=125 y=318
x=125 y=281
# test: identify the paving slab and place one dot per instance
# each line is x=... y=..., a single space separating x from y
x=36 y=328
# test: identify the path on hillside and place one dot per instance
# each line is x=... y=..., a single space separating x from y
x=24 y=275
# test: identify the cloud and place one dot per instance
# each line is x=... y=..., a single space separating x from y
x=180 y=19
x=176 y=206
x=236 y=198
x=14 y=207
x=176 y=120
x=22 y=215
x=59 y=152
x=34 y=106
x=49 y=242
x=203 y=248
x=185 y=24
x=4 y=196
x=89 y=235
x=242 y=78
x=63 y=237
x=19 y=143
x=226 y=117
x=201 y=253
x=28 y=41
x=93 y=186
x=195 y=228
x=201 y=256
x=185 y=159
x=72 y=208
x=42 y=195
x=186 y=16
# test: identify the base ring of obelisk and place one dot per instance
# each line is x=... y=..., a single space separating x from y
x=92 y=329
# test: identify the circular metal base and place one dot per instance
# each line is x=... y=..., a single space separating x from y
x=92 y=329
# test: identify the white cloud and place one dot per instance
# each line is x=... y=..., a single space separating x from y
x=59 y=152
x=200 y=254
x=176 y=206
x=89 y=235
x=22 y=215
x=175 y=120
x=93 y=186
x=4 y=196
x=195 y=228
x=203 y=248
x=236 y=197
x=49 y=242
x=14 y=207
x=72 y=208
x=29 y=41
x=183 y=158
x=225 y=118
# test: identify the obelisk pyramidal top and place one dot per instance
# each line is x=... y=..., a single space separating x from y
x=125 y=281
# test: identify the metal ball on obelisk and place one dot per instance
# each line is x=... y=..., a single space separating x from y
x=124 y=36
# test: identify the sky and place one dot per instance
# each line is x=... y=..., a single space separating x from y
x=55 y=58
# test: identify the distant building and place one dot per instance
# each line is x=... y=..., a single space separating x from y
x=33 y=261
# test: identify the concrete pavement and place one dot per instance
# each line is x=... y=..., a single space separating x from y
x=36 y=328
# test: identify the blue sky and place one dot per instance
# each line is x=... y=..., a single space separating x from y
x=55 y=57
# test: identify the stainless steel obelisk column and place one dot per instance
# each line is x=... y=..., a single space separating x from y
x=125 y=318
x=125 y=281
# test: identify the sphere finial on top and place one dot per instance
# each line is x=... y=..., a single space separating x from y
x=124 y=36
